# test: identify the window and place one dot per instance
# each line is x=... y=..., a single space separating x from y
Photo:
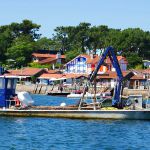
x=9 y=84
x=14 y=83
x=1 y=83
x=79 y=59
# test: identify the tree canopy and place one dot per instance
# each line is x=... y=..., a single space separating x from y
x=19 y=40
x=133 y=43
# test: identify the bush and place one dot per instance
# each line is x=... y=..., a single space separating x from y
x=37 y=65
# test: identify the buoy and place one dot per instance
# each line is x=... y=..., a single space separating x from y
x=63 y=104
x=17 y=101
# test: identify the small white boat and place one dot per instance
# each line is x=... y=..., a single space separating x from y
x=88 y=95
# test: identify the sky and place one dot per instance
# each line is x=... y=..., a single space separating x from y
x=118 y=14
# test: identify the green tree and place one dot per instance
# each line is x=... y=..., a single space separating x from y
x=37 y=65
x=27 y=27
x=47 y=44
x=97 y=36
x=5 y=41
x=17 y=40
x=133 y=60
x=21 y=50
x=71 y=54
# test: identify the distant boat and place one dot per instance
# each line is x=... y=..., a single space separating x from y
x=58 y=93
x=89 y=95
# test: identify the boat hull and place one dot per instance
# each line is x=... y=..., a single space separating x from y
x=81 y=114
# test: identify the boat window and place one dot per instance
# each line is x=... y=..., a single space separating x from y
x=9 y=84
x=1 y=83
x=14 y=83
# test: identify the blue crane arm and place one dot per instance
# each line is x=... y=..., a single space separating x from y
x=101 y=61
x=110 y=52
x=118 y=88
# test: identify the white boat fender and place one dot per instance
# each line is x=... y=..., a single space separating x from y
x=63 y=104
x=25 y=99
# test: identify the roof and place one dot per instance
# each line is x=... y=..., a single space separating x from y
x=119 y=59
x=93 y=60
x=25 y=71
x=47 y=60
x=148 y=61
x=113 y=75
x=61 y=76
x=147 y=71
x=96 y=58
x=142 y=71
x=53 y=71
x=106 y=75
x=49 y=76
x=46 y=55
x=72 y=75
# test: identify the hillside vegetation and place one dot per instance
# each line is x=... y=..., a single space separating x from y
x=19 y=40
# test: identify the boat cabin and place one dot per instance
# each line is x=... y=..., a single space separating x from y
x=7 y=90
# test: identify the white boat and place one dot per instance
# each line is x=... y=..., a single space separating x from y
x=88 y=95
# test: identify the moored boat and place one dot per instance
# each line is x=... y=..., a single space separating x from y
x=89 y=95
x=9 y=107
x=64 y=94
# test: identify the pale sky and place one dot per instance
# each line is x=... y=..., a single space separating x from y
x=49 y=14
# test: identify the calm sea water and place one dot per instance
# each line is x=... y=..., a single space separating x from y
x=74 y=134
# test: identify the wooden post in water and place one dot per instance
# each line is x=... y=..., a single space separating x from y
x=94 y=98
x=35 y=89
x=40 y=89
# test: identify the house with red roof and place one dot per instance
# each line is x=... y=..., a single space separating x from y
x=26 y=74
x=108 y=79
x=85 y=63
x=63 y=78
x=48 y=58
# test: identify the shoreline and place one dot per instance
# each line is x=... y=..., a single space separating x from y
x=44 y=89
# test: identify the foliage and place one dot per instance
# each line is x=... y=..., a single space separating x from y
x=139 y=66
x=58 y=65
x=133 y=60
x=33 y=79
x=37 y=65
x=71 y=54
x=47 y=44
x=83 y=36
x=21 y=50
x=19 y=40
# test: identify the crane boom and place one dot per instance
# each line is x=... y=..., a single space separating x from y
x=116 y=100
x=110 y=52
x=118 y=88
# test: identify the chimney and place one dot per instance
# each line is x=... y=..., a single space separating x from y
x=91 y=54
x=58 y=57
